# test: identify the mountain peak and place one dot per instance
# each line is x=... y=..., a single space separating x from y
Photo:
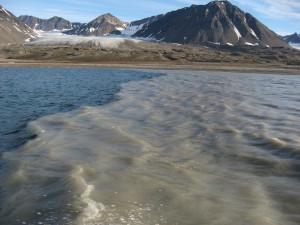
x=103 y=25
x=108 y=17
x=218 y=22
x=55 y=17
x=12 y=29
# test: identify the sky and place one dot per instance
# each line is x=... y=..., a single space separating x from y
x=281 y=16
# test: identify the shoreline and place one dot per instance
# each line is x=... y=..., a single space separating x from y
x=225 y=67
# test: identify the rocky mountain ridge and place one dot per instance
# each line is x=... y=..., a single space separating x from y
x=12 y=31
x=103 y=25
x=293 y=38
x=218 y=22
x=54 y=23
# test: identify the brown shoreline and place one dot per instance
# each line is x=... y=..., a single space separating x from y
x=157 y=56
x=226 y=67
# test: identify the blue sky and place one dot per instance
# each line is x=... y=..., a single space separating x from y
x=282 y=16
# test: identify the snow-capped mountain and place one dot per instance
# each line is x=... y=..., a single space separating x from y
x=13 y=31
x=218 y=22
x=293 y=38
x=102 y=25
x=54 y=23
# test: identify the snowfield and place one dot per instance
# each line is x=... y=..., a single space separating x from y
x=296 y=46
x=57 y=38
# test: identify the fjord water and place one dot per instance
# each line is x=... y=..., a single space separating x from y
x=186 y=148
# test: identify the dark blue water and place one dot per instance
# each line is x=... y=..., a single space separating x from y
x=27 y=94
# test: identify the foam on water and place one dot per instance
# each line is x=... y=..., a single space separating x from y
x=187 y=148
x=93 y=209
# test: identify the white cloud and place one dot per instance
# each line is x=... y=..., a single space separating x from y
x=54 y=10
x=289 y=9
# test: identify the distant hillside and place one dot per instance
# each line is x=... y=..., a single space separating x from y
x=218 y=22
x=137 y=25
x=54 y=23
x=13 y=31
x=102 y=25
x=293 y=38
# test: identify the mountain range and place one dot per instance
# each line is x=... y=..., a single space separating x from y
x=216 y=23
x=54 y=23
x=293 y=38
x=12 y=31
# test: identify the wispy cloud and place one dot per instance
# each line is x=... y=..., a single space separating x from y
x=58 y=11
x=289 y=9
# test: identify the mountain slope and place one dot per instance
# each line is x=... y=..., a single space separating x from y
x=102 y=25
x=293 y=38
x=137 y=25
x=54 y=23
x=12 y=31
x=218 y=22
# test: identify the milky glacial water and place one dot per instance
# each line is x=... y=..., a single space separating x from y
x=186 y=148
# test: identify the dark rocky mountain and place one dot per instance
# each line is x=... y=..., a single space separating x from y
x=293 y=38
x=218 y=22
x=13 y=31
x=103 y=25
x=54 y=23
x=146 y=21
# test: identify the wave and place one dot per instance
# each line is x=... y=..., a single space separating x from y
x=187 y=148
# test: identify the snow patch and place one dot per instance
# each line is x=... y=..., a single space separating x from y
x=131 y=30
x=31 y=35
x=120 y=28
x=17 y=29
x=229 y=44
x=253 y=33
x=206 y=12
x=6 y=12
x=215 y=43
x=238 y=34
x=251 y=44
